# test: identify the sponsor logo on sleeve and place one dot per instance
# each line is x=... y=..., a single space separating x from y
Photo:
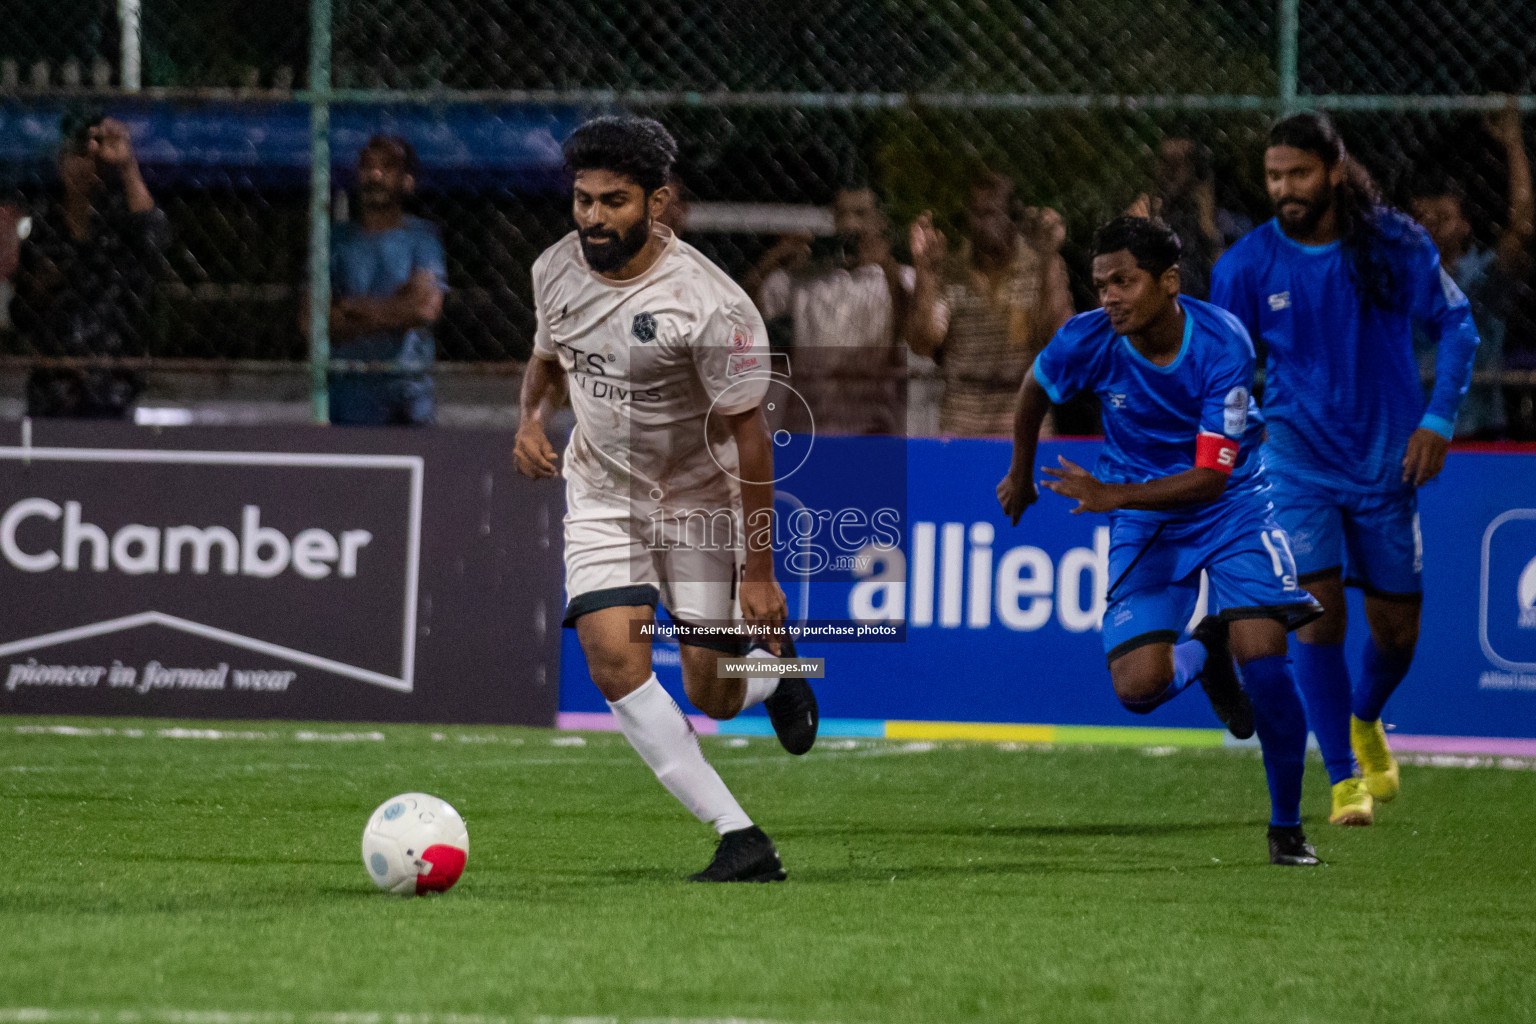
x=741 y=366
x=741 y=337
x=1234 y=417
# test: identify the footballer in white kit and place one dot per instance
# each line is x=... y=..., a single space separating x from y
x=655 y=365
x=666 y=363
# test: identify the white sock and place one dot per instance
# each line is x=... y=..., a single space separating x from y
x=759 y=688
x=656 y=728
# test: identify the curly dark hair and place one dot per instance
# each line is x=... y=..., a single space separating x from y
x=1154 y=245
x=1368 y=225
x=636 y=147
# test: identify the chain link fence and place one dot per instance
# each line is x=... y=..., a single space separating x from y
x=775 y=107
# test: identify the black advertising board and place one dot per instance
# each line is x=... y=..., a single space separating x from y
x=282 y=572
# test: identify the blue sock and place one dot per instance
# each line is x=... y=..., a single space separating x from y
x=1281 y=723
x=1323 y=678
x=1382 y=672
x=1188 y=660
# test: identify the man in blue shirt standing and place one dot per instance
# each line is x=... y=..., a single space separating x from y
x=1183 y=482
x=388 y=277
x=1334 y=285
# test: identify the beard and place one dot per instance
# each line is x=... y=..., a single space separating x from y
x=616 y=249
x=1302 y=220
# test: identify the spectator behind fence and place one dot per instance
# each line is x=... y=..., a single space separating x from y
x=985 y=313
x=1186 y=201
x=1491 y=277
x=843 y=299
x=86 y=273
x=388 y=278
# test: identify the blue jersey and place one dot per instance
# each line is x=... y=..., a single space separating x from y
x=1154 y=414
x=375 y=265
x=1341 y=386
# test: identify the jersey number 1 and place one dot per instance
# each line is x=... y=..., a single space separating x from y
x=1271 y=538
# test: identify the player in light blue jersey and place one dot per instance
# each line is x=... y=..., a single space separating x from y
x=1334 y=287
x=1183 y=482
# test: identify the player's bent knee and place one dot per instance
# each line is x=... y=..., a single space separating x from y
x=617 y=671
x=1140 y=707
x=1139 y=691
x=617 y=680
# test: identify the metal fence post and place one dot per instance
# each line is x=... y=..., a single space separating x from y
x=319 y=206
x=131 y=51
x=1289 y=27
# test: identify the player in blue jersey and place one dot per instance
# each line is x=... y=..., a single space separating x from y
x=1183 y=482
x=1334 y=286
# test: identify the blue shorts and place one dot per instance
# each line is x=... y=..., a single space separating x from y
x=382 y=400
x=1373 y=538
x=1155 y=574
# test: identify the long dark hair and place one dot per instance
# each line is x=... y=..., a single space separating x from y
x=1368 y=224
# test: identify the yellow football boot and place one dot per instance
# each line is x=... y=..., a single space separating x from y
x=1377 y=764
x=1351 y=804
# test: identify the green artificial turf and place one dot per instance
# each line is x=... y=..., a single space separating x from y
x=952 y=882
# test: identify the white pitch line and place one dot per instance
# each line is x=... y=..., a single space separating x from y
x=832 y=750
x=42 y=1015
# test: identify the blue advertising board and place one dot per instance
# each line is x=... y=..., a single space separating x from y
x=1002 y=622
x=515 y=145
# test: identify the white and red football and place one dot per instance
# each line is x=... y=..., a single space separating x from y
x=415 y=844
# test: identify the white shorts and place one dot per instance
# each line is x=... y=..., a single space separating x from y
x=614 y=558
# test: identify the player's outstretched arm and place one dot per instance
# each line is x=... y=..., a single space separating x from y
x=1016 y=491
x=1195 y=486
x=762 y=601
x=543 y=389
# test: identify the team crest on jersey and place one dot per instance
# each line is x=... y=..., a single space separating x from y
x=644 y=327
x=741 y=337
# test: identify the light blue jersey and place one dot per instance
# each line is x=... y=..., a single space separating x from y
x=1341 y=384
x=375 y=265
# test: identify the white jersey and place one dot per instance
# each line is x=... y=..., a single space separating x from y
x=647 y=360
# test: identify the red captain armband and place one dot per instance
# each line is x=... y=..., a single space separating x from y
x=1213 y=451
